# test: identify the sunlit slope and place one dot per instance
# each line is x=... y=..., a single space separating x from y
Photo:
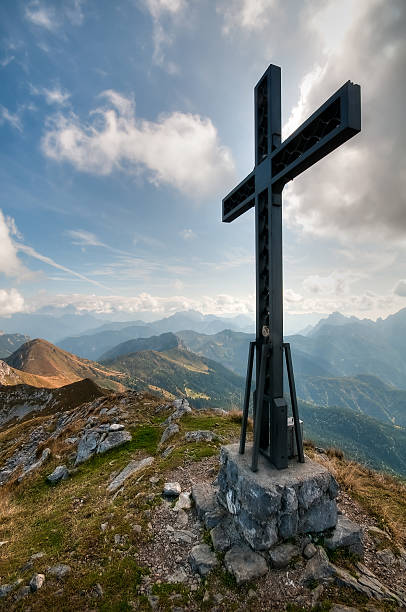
x=179 y=372
x=56 y=367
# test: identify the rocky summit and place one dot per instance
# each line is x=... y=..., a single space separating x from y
x=116 y=503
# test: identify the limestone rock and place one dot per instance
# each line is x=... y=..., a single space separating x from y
x=87 y=446
x=244 y=564
x=37 y=464
x=178 y=575
x=202 y=559
x=205 y=497
x=59 y=571
x=113 y=439
x=200 y=435
x=318 y=568
x=168 y=451
x=132 y=468
x=171 y=489
x=280 y=556
x=168 y=433
x=37 y=582
x=224 y=535
x=60 y=473
x=116 y=427
x=346 y=534
x=309 y=550
x=184 y=502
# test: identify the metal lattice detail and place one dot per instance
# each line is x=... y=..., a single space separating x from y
x=309 y=136
x=262 y=119
x=238 y=196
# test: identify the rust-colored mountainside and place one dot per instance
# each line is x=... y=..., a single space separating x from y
x=41 y=364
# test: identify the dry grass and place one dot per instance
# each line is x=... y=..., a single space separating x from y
x=381 y=495
x=235 y=416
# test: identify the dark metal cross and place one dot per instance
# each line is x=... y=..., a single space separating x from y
x=276 y=163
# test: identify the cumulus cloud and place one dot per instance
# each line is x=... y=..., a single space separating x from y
x=220 y=304
x=11 y=301
x=359 y=191
x=179 y=149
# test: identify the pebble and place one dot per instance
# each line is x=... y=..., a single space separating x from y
x=104 y=526
x=171 y=489
x=154 y=480
x=116 y=427
x=36 y=582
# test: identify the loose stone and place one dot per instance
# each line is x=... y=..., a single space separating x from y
x=318 y=568
x=346 y=534
x=132 y=468
x=36 y=582
x=309 y=550
x=59 y=571
x=61 y=472
x=202 y=559
x=171 y=489
x=169 y=432
x=280 y=556
x=200 y=436
x=116 y=427
x=184 y=502
x=244 y=564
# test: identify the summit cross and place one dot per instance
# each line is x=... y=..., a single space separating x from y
x=276 y=163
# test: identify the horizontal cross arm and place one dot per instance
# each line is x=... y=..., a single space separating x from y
x=240 y=199
x=331 y=125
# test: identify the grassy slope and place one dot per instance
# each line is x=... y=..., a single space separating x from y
x=181 y=373
x=66 y=522
x=55 y=367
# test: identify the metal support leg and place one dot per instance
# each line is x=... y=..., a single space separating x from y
x=247 y=397
x=293 y=398
x=260 y=405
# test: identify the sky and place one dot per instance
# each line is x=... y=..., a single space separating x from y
x=123 y=124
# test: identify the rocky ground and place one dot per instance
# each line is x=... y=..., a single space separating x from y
x=100 y=510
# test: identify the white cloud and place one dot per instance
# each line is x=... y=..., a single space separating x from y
x=12 y=118
x=50 y=262
x=249 y=15
x=161 y=10
x=41 y=15
x=179 y=149
x=74 y=12
x=336 y=283
x=400 y=288
x=52 y=96
x=187 y=234
x=11 y=301
x=84 y=238
x=7 y=60
x=10 y=265
x=359 y=191
x=157 y=8
x=220 y=304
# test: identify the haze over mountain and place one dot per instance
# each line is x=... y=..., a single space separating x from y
x=92 y=344
x=10 y=343
x=163 y=342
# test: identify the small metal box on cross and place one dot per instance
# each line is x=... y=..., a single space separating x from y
x=276 y=163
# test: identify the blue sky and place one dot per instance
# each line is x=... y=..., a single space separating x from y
x=124 y=123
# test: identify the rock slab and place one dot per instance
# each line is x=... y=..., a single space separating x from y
x=132 y=468
x=346 y=534
x=202 y=559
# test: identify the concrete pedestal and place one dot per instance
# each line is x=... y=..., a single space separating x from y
x=273 y=505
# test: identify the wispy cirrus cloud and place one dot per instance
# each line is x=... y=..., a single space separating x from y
x=53 y=95
x=179 y=149
x=51 y=18
x=12 y=119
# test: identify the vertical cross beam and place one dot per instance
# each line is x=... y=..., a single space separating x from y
x=268 y=232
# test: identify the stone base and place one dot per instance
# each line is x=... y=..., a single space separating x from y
x=273 y=505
